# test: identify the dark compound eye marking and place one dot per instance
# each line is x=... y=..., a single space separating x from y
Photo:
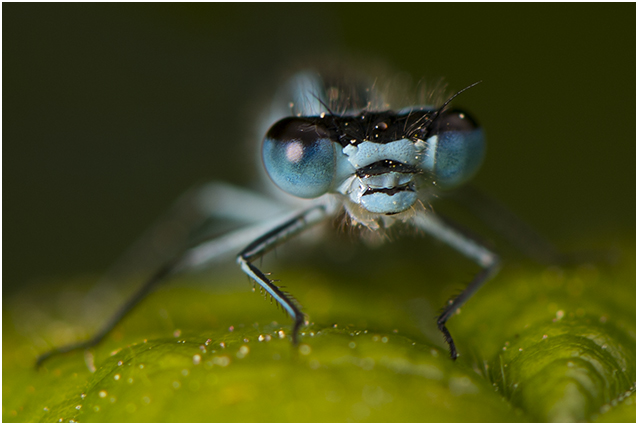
x=454 y=120
x=302 y=131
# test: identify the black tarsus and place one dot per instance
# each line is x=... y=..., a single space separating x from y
x=265 y=243
x=462 y=240
x=141 y=293
x=479 y=279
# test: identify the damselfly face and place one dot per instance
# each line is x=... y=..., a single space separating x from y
x=379 y=163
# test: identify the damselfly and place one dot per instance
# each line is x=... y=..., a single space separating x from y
x=339 y=144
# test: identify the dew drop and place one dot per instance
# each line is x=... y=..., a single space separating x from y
x=116 y=377
x=305 y=349
x=243 y=351
x=102 y=394
x=197 y=358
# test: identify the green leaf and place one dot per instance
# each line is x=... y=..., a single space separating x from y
x=536 y=344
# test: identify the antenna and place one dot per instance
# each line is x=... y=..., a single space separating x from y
x=447 y=102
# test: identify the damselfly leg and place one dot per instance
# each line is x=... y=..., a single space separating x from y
x=259 y=238
x=269 y=241
x=468 y=245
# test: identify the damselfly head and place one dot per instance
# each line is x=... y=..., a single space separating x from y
x=379 y=163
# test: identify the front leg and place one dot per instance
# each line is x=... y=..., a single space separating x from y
x=259 y=247
x=467 y=245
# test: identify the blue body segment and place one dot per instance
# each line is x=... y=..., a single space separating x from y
x=382 y=203
x=368 y=152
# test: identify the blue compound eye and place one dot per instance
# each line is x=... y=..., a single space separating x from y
x=460 y=148
x=300 y=157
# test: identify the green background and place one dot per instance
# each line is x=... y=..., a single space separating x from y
x=112 y=111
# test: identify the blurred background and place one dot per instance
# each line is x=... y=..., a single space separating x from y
x=111 y=111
